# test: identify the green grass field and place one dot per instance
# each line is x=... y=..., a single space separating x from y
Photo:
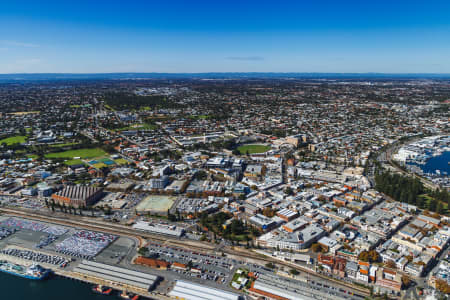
x=99 y=165
x=62 y=145
x=18 y=139
x=253 y=149
x=82 y=153
x=121 y=161
x=199 y=117
x=72 y=162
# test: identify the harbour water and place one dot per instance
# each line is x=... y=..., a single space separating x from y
x=55 y=288
x=438 y=163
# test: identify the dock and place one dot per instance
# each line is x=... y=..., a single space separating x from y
x=114 y=282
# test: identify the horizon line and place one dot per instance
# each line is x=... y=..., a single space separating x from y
x=227 y=72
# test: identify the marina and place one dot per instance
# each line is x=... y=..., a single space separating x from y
x=428 y=157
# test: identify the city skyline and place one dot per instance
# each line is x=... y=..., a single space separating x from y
x=181 y=37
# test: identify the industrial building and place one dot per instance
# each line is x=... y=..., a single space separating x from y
x=191 y=291
x=275 y=288
x=78 y=196
x=118 y=276
x=159 y=228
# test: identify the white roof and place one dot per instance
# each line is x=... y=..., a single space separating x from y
x=191 y=291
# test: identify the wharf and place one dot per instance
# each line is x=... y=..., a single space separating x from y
x=85 y=278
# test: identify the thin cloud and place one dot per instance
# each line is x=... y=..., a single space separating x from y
x=246 y=58
x=19 y=44
x=26 y=62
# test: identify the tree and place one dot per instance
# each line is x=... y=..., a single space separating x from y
x=363 y=256
x=406 y=281
x=201 y=175
x=268 y=212
x=288 y=190
x=390 y=264
x=440 y=208
x=190 y=264
x=443 y=286
x=294 y=272
x=143 y=251
x=236 y=152
x=108 y=210
x=316 y=247
x=432 y=205
x=270 y=265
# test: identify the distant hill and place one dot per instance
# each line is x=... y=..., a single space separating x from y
x=123 y=76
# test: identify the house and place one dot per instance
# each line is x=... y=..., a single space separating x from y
x=351 y=269
x=327 y=243
x=389 y=279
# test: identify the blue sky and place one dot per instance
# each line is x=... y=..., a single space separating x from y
x=224 y=36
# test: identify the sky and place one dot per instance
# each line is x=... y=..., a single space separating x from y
x=191 y=36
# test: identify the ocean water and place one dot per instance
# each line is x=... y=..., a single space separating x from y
x=54 y=288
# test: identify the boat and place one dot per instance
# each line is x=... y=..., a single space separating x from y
x=34 y=272
x=125 y=295
x=103 y=290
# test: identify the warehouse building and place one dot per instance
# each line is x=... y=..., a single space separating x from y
x=191 y=291
x=287 y=214
x=112 y=275
x=78 y=196
x=276 y=288
x=159 y=228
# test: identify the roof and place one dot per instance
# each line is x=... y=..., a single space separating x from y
x=429 y=219
x=286 y=212
x=330 y=243
x=191 y=291
x=296 y=224
x=78 y=192
x=116 y=274
x=151 y=262
x=179 y=265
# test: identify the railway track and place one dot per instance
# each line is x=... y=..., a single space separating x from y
x=108 y=228
x=143 y=237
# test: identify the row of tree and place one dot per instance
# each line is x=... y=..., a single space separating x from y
x=411 y=190
x=126 y=101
